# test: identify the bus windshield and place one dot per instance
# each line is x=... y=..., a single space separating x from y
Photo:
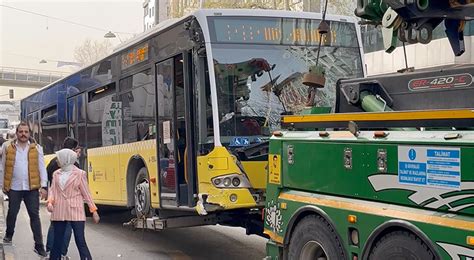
x=259 y=68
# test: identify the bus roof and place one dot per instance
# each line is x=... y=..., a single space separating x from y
x=201 y=15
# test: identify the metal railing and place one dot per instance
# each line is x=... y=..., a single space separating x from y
x=30 y=75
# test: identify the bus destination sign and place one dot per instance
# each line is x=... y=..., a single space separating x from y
x=286 y=31
x=135 y=56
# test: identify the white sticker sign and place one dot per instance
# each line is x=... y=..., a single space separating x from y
x=112 y=123
x=166 y=132
x=438 y=167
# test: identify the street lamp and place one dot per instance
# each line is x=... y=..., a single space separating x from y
x=110 y=34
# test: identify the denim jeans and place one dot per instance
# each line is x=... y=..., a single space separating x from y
x=59 y=230
x=31 y=200
x=67 y=238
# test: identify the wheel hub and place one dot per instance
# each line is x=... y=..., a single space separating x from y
x=142 y=193
x=313 y=250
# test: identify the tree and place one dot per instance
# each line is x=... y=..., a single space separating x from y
x=90 y=51
x=236 y=4
x=180 y=7
x=341 y=7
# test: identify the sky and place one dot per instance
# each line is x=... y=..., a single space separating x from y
x=26 y=39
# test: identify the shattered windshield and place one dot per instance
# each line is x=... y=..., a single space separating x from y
x=257 y=83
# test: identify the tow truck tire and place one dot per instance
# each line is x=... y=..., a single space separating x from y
x=401 y=245
x=314 y=238
x=142 y=193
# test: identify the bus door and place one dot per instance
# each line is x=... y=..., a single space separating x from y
x=76 y=122
x=33 y=121
x=176 y=165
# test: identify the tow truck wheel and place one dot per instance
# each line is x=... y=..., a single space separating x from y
x=142 y=193
x=401 y=245
x=314 y=238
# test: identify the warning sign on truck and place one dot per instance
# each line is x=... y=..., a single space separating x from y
x=430 y=166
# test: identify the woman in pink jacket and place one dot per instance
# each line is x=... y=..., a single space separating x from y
x=68 y=192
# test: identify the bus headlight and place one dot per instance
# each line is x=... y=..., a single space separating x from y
x=235 y=182
x=227 y=181
x=231 y=181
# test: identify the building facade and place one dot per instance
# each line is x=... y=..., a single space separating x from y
x=150 y=13
x=154 y=12
x=437 y=53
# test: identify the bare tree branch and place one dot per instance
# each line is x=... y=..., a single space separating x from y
x=341 y=7
x=90 y=51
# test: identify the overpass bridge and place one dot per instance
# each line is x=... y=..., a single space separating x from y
x=28 y=78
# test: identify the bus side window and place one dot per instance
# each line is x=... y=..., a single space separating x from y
x=138 y=107
x=102 y=125
x=49 y=128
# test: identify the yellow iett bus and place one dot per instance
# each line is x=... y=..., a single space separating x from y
x=175 y=123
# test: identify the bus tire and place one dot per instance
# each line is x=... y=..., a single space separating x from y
x=314 y=238
x=401 y=245
x=142 y=193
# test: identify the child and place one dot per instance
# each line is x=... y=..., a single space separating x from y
x=68 y=192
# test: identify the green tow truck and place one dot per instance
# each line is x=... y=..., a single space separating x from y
x=389 y=180
x=390 y=174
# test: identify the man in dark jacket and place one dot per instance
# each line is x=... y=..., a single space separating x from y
x=69 y=143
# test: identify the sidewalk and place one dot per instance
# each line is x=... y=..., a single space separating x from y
x=2 y=227
x=6 y=251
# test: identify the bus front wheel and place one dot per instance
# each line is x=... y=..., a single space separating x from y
x=314 y=238
x=142 y=193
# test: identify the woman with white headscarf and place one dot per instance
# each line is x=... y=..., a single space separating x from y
x=69 y=190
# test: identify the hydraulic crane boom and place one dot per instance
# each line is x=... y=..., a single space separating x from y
x=413 y=21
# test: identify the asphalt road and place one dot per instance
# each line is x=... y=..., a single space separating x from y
x=109 y=240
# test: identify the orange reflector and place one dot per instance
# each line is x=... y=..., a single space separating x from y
x=470 y=240
x=153 y=180
x=352 y=219
x=283 y=205
x=380 y=134
x=323 y=134
x=277 y=133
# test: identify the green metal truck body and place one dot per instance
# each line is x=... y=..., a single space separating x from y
x=369 y=186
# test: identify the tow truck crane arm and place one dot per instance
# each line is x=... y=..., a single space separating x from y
x=413 y=21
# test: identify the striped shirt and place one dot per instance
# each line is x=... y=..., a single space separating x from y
x=68 y=203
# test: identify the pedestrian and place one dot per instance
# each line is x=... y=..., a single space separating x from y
x=11 y=134
x=69 y=190
x=68 y=143
x=2 y=141
x=24 y=179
